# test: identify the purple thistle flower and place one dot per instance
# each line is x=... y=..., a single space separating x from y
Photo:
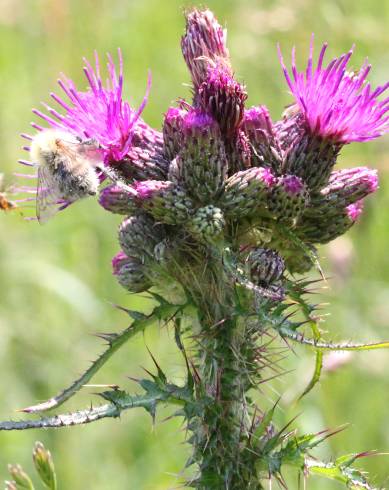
x=345 y=187
x=130 y=273
x=338 y=104
x=292 y=184
x=266 y=176
x=289 y=198
x=165 y=201
x=100 y=113
x=325 y=227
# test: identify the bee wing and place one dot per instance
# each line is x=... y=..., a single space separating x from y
x=79 y=153
x=92 y=152
x=47 y=195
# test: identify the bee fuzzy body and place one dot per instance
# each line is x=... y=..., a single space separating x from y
x=74 y=185
x=66 y=170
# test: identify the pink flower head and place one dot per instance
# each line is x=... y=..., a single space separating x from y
x=147 y=189
x=99 y=113
x=292 y=184
x=196 y=120
x=266 y=176
x=117 y=261
x=174 y=116
x=198 y=124
x=172 y=130
x=356 y=179
x=354 y=210
x=258 y=125
x=338 y=104
x=257 y=118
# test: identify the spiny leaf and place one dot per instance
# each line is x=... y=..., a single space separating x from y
x=353 y=478
x=165 y=311
x=161 y=377
x=286 y=331
x=316 y=374
x=307 y=310
x=119 y=402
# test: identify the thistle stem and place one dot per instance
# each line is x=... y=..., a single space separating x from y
x=218 y=430
x=222 y=419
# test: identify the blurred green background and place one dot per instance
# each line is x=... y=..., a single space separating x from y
x=56 y=283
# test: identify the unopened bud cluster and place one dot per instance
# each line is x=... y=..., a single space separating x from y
x=229 y=174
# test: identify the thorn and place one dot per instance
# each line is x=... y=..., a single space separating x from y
x=108 y=337
x=161 y=374
x=112 y=386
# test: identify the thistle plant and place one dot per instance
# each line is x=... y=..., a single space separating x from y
x=223 y=210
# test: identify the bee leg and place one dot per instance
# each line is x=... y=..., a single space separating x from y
x=114 y=177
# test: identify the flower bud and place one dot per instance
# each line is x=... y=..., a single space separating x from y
x=114 y=199
x=239 y=152
x=289 y=198
x=351 y=184
x=290 y=127
x=165 y=201
x=258 y=127
x=247 y=192
x=311 y=158
x=204 y=44
x=20 y=477
x=202 y=163
x=345 y=187
x=207 y=223
x=222 y=97
x=326 y=228
x=138 y=235
x=145 y=158
x=172 y=131
x=266 y=266
x=44 y=465
x=130 y=273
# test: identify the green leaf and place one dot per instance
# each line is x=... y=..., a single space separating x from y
x=164 y=311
